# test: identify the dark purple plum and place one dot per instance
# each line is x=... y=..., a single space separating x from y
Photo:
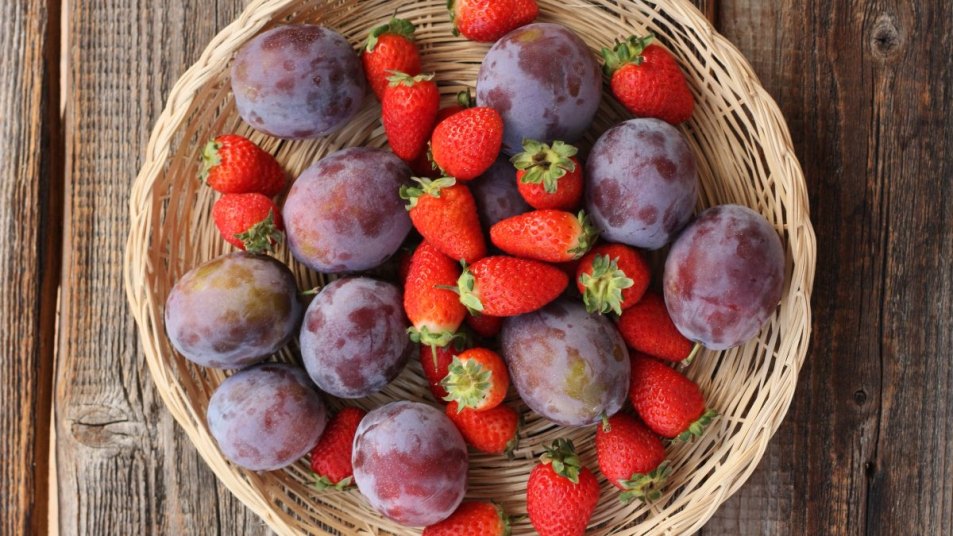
x=497 y=196
x=266 y=417
x=567 y=365
x=724 y=276
x=233 y=311
x=641 y=183
x=344 y=213
x=297 y=81
x=544 y=82
x=354 y=337
x=410 y=462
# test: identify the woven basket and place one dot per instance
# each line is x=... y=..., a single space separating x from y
x=744 y=155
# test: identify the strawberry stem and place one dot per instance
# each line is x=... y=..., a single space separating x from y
x=692 y=355
x=646 y=487
x=562 y=456
x=425 y=186
x=467 y=383
x=625 y=52
x=604 y=285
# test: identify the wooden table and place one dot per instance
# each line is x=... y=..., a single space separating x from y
x=866 y=86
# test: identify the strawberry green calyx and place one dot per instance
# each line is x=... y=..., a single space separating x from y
x=587 y=238
x=562 y=456
x=262 y=236
x=424 y=186
x=401 y=27
x=466 y=383
x=210 y=158
x=624 y=53
x=434 y=339
x=465 y=287
x=324 y=483
x=646 y=487
x=504 y=519
x=698 y=427
x=546 y=164
x=514 y=442
x=604 y=286
x=453 y=17
x=465 y=99
x=397 y=78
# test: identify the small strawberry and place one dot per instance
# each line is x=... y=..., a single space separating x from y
x=445 y=214
x=232 y=164
x=250 y=222
x=476 y=379
x=486 y=21
x=545 y=235
x=390 y=47
x=495 y=431
x=612 y=277
x=408 y=111
x=647 y=80
x=669 y=403
x=331 y=457
x=467 y=143
x=632 y=458
x=435 y=362
x=549 y=177
x=561 y=493
x=436 y=313
x=647 y=327
x=486 y=326
x=473 y=519
x=507 y=286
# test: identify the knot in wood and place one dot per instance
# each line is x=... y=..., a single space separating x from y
x=885 y=37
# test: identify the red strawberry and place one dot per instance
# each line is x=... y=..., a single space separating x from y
x=390 y=48
x=486 y=326
x=647 y=327
x=561 y=493
x=250 y=222
x=647 y=80
x=467 y=143
x=476 y=379
x=445 y=214
x=331 y=457
x=495 y=431
x=473 y=519
x=232 y=164
x=669 y=403
x=507 y=286
x=436 y=363
x=436 y=313
x=408 y=111
x=464 y=101
x=632 y=458
x=488 y=20
x=612 y=277
x=549 y=177
x=545 y=235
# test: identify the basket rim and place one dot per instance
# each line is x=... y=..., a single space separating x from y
x=216 y=55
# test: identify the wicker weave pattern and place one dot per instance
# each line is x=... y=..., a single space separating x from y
x=745 y=157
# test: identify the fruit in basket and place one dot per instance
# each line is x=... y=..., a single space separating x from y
x=549 y=176
x=488 y=20
x=297 y=81
x=486 y=326
x=344 y=214
x=473 y=519
x=476 y=379
x=647 y=328
x=667 y=402
x=266 y=417
x=494 y=431
x=724 y=276
x=467 y=143
x=250 y=222
x=612 y=277
x=232 y=164
x=632 y=458
x=354 y=337
x=545 y=83
x=390 y=47
x=233 y=311
x=445 y=214
x=545 y=235
x=435 y=362
x=561 y=493
x=408 y=110
x=496 y=194
x=434 y=311
x=410 y=463
x=567 y=365
x=507 y=286
x=641 y=183
x=331 y=457
x=647 y=80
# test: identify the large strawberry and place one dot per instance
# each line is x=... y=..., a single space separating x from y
x=473 y=519
x=507 y=286
x=467 y=143
x=545 y=235
x=331 y=457
x=435 y=361
x=647 y=80
x=476 y=379
x=390 y=47
x=488 y=20
x=232 y=164
x=561 y=493
x=495 y=431
x=549 y=177
x=445 y=214
x=423 y=166
x=669 y=403
x=612 y=277
x=250 y=222
x=631 y=457
x=647 y=327
x=408 y=111
x=434 y=311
